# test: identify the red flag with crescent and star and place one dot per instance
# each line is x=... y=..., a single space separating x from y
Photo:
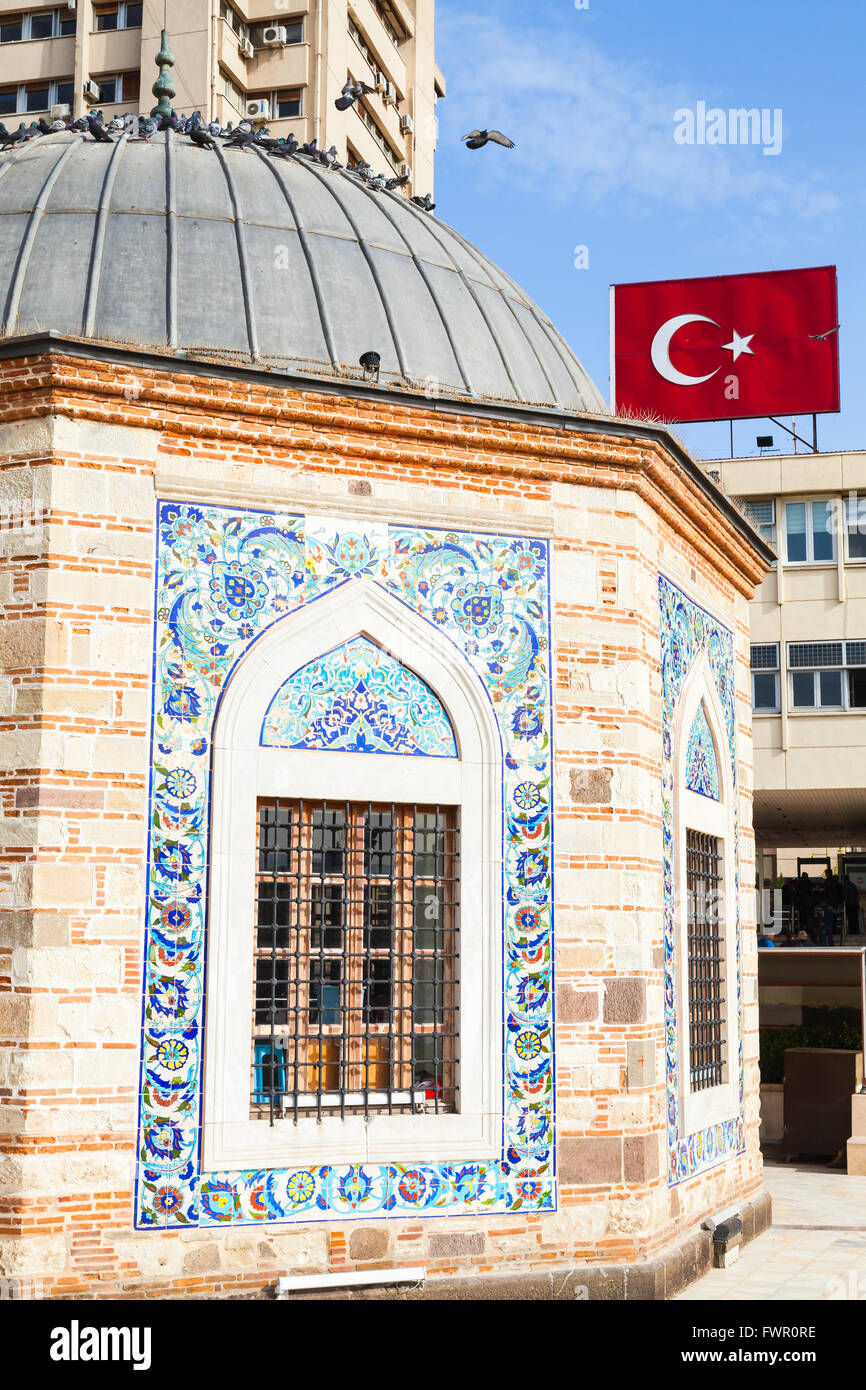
x=727 y=347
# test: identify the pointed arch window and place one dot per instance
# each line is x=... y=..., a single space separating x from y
x=356 y=829
x=707 y=917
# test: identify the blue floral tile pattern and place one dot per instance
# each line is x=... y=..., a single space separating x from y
x=686 y=631
x=359 y=699
x=702 y=768
x=224 y=575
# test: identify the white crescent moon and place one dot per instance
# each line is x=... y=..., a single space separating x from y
x=660 y=352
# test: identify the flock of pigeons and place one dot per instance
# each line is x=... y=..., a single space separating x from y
x=243 y=137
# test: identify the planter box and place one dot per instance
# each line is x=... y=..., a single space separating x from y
x=772 y=1113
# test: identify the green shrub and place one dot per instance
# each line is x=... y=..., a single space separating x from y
x=775 y=1041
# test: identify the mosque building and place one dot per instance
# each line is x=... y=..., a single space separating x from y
x=377 y=864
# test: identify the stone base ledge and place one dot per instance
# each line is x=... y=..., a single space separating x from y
x=659 y=1279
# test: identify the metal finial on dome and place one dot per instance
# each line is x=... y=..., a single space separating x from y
x=163 y=88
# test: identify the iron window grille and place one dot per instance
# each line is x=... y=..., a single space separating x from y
x=827 y=675
x=704 y=886
x=764 y=662
x=356 y=959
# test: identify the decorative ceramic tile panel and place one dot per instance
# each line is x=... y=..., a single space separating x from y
x=358 y=699
x=224 y=576
x=686 y=631
x=702 y=768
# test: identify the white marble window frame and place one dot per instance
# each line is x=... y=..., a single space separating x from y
x=242 y=772
x=700 y=1109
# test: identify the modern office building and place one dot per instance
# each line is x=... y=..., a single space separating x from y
x=808 y=652
x=283 y=62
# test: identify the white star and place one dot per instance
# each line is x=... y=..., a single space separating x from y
x=739 y=345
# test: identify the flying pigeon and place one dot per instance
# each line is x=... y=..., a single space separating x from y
x=477 y=139
x=391 y=184
x=820 y=337
x=426 y=203
x=199 y=136
x=351 y=92
x=98 y=131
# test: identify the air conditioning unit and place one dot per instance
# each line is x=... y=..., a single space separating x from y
x=61 y=111
x=246 y=48
x=407 y=125
x=405 y=171
x=91 y=91
x=258 y=110
x=275 y=36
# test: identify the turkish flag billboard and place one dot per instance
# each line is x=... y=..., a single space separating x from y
x=727 y=347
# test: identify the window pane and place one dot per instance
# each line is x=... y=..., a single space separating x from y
x=830 y=685
x=823 y=519
x=130 y=86
x=288 y=104
x=107 y=89
x=804 y=689
x=857 y=689
x=328 y=842
x=795 y=525
x=764 y=691
x=11 y=30
x=106 y=19
x=65 y=93
x=67 y=24
x=133 y=17
x=855 y=520
x=41 y=25
x=295 y=31
x=9 y=102
x=37 y=99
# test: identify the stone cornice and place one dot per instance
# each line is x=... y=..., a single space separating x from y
x=200 y=402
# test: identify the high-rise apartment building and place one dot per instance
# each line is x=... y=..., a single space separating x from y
x=283 y=62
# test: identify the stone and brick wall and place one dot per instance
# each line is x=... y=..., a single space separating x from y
x=91 y=446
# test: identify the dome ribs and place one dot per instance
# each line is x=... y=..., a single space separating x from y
x=99 y=233
x=16 y=284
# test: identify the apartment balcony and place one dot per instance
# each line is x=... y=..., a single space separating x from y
x=254 y=11
x=114 y=50
x=229 y=56
x=385 y=51
x=276 y=68
x=37 y=58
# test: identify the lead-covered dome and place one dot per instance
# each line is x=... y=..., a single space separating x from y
x=278 y=264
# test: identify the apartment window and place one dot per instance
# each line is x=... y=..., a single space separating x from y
x=809 y=529
x=234 y=21
x=287 y=103
x=232 y=92
x=827 y=675
x=12 y=29
x=31 y=97
x=42 y=25
x=118 y=87
x=765 y=677
x=107 y=19
x=355 y=958
x=293 y=28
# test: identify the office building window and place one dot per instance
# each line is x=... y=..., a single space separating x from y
x=761 y=512
x=855 y=528
x=810 y=532
x=827 y=675
x=765 y=677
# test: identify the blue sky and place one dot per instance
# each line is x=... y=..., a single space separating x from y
x=589 y=96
